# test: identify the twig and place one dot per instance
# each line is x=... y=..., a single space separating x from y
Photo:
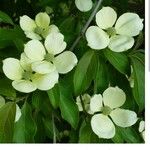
x=54 y=131
x=97 y=4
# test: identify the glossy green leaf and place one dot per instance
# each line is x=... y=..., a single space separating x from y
x=137 y=61
x=118 y=60
x=5 y=18
x=6 y=88
x=69 y=109
x=25 y=128
x=7 y=117
x=85 y=72
x=54 y=96
x=130 y=135
x=101 y=81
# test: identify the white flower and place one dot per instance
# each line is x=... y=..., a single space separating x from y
x=47 y=61
x=142 y=129
x=118 y=38
x=38 y=28
x=24 y=79
x=18 y=110
x=86 y=102
x=84 y=5
x=107 y=105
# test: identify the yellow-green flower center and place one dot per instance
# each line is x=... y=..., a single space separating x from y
x=49 y=57
x=106 y=110
x=27 y=75
x=111 y=31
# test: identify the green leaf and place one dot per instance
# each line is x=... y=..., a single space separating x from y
x=137 y=61
x=11 y=34
x=118 y=137
x=85 y=72
x=130 y=135
x=118 y=60
x=101 y=81
x=5 y=18
x=54 y=96
x=86 y=134
x=6 y=88
x=7 y=117
x=25 y=127
x=69 y=109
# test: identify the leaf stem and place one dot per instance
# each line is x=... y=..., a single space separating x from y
x=97 y=4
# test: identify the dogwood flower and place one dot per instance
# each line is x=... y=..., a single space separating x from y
x=84 y=5
x=24 y=79
x=45 y=60
x=38 y=28
x=118 y=38
x=142 y=129
x=106 y=106
x=86 y=102
x=18 y=110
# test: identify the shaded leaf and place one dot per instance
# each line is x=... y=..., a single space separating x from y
x=7 y=117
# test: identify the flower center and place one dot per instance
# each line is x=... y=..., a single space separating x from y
x=111 y=31
x=49 y=57
x=106 y=110
x=27 y=75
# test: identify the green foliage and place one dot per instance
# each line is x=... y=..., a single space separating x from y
x=7 y=117
x=137 y=61
x=54 y=115
x=25 y=128
x=85 y=72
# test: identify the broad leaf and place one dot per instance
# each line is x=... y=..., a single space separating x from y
x=85 y=72
x=6 y=88
x=7 y=117
x=68 y=107
x=5 y=18
x=137 y=61
x=54 y=96
x=118 y=60
x=25 y=128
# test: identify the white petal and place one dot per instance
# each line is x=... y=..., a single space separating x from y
x=54 y=43
x=35 y=50
x=120 y=43
x=143 y=135
x=114 y=97
x=84 y=5
x=123 y=118
x=43 y=67
x=65 y=62
x=32 y=35
x=79 y=104
x=2 y=101
x=46 y=81
x=42 y=20
x=106 y=17
x=102 y=126
x=96 y=103
x=27 y=24
x=142 y=126
x=18 y=113
x=51 y=29
x=25 y=62
x=129 y=24
x=12 y=68
x=97 y=38
x=24 y=86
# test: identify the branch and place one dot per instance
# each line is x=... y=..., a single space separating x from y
x=97 y=4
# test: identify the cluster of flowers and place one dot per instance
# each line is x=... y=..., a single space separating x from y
x=43 y=60
x=105 y=110
x=40 y=64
